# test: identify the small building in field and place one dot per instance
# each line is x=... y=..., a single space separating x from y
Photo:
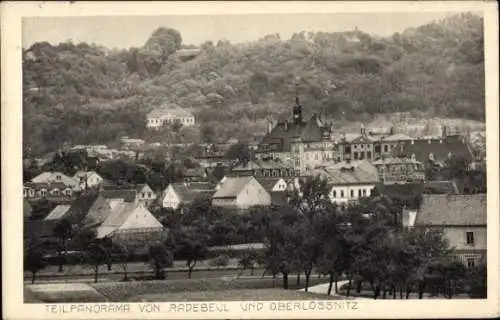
x=241 y=193
x=461 y=218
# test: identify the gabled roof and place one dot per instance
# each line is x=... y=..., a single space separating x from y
x=452 y=210
x=189 y=192
x=232 y=187
x=117 y=217
x=58 y=212
x=268 y=183
x=440 y=187
x=284 y=133
x=440 y=148
x=83 y=208
x=52 y=177
x=128 y=195
x=353 y=172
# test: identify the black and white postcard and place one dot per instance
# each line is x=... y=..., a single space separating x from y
x=250 y=160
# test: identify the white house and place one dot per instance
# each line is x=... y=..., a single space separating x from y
x=273 y=184
x=169 y=114
x=56 y=177
x=88 y=179
x=350 y=180
x=145 y=195
x=461 y=218
x=129 y=221
x=241 y=192
x=180 y=193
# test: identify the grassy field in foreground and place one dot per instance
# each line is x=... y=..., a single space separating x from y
x=168 y=290
x=232 y=295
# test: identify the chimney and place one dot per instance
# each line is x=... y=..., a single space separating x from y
x=363 y=130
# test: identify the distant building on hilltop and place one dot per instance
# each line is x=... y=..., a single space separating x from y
x=169 y=114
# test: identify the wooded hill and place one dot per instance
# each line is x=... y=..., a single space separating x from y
x=82 y=93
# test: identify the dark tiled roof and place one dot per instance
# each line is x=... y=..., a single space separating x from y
x=440 y=187
x=232 y=186
x=452 y=210
x=268 y=183
x=47 y=186
x=189 y=192
x=440 y=148
x=279 y=197
x=285 y=132
x=128 y=195
x=405 y=189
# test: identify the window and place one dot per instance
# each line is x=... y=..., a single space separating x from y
x=341 y=193
x=149 y=195
x=334 y=194
x=58 y=178
x=355 y=154
x=55 y=192
x=143 y=194
x=385 y=148
x=364 y=192
x=369 y=154
x=43 y=192
x=352 y=193
x=359 y=193
x=361 y=155
x=471 y=263
x=469 y=237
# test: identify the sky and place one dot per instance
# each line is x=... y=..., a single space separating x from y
x=133 y=31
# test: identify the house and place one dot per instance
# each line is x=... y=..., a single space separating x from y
x=274 y=184
x=145 y=195
x=114 y=196
x=241 y=192
x=350 y=180
x=56 y=177
x=434 y=150
x=462 y=218
x=58 y=212
x=263 y=167
x=299 y=144
x=130 y=222
x=169 y=114
x=182 y=193
x=399 y=170
x=54 y=191
x=88 y=179
x=88 y=209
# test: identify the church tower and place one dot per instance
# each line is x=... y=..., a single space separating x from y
x=297 y=112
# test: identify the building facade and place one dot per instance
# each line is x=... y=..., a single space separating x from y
x=241 y=193
x=169 y=115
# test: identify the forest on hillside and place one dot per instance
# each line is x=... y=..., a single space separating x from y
x=84 y=93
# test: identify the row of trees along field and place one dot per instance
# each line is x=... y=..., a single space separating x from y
x=84 y=93
x=365 y=244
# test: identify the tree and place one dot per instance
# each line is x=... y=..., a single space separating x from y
x=97 y=255
x=122 y=254
x=34 y=259
x=190 y=243
x=63 y=231
x=159 y=258
x=248 y=261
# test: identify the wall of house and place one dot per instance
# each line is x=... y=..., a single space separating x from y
x=457 y=237
x=341 y=194
x=253 y=194
x=229 y=202
x=170 y=200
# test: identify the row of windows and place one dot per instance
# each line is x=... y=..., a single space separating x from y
x=362 y=155
x=352 y=193
x=182 y=120
x=45 y=192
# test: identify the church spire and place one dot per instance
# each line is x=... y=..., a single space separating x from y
x=297 y=112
